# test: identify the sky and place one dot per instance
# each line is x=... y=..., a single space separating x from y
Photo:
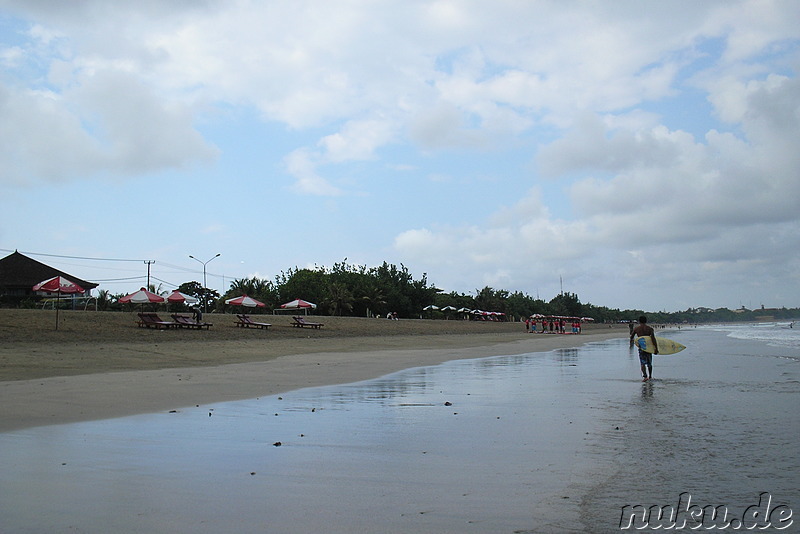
x=640 y=154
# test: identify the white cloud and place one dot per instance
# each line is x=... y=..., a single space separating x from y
x=39 y=138
x=585 y=112
x=312 y=64
x=11 y=56
x=659 y=197
x=357 y=140
x=302 y=165
x=444 y=126
x=109 y=124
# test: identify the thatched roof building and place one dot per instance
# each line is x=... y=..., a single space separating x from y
x=19 y=273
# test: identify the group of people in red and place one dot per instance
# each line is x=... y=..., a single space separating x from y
x=552 y=325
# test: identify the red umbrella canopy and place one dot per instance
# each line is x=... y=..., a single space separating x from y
x=244 y=300
x=58 y=284
x=177 y=296
x=299 y=303
x=142 y=296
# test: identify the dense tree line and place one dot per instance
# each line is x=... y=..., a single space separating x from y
x=343 y=289
x=358 y=290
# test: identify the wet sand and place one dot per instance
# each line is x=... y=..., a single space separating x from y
x=107 y=473
x=99 y=365
x=528 y=441
x=495 y=444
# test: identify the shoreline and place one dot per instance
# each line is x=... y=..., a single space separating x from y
x=246 y=371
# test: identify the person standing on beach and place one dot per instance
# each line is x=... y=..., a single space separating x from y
x=645 y=358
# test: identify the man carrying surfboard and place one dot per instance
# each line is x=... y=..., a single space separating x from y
x=645 y=358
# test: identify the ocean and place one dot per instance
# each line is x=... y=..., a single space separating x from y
x=719 y=425
x=563 y=441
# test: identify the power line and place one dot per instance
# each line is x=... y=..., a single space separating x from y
x=147 y=262
x=68 y=257
x=178 y=267
x=94 y=266
x=162 y=263
x=169 y=284
x=119 y=279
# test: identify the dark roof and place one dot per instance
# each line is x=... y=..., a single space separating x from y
x=20 y=271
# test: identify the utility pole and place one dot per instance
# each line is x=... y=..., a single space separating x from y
x=148 y=263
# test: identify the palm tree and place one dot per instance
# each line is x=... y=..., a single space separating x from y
x=374 y=298
x=103 y=299
x=257 y=288
x=157 y=290
x=340 y=299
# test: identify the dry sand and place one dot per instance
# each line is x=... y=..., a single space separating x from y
x=100 y=365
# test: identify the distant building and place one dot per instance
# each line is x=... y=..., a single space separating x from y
x=19 y=273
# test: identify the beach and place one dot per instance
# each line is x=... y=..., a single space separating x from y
x=99 y=365
x=475 y=431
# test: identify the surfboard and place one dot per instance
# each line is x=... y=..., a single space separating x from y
x=665 y=346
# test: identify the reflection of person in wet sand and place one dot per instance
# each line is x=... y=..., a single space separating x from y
x=645 y=358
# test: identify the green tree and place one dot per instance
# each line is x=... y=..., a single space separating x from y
x=519 y=304
x=257 y=288
x=566 y=304
x=194 y=289
x=404 y=295
x=489 y=299
x=103 y=300
x=306 y=284
x=339 y=300
x=373 y=298
x=208 y=298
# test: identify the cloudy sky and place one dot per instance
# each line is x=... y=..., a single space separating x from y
x=647 y=153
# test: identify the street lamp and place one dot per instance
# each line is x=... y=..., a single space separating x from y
x=204 y=278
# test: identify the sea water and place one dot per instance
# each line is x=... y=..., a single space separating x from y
x=560 y=441
x=720 y=425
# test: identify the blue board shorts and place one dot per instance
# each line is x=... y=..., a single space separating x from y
x=645 y=358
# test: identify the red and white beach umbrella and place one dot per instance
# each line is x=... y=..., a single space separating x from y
x=299 y=304
x=58 y=284
x=142 y=296
x=244 y=300
x=177 y=297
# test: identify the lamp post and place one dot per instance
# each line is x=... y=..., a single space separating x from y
x=204 y=278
